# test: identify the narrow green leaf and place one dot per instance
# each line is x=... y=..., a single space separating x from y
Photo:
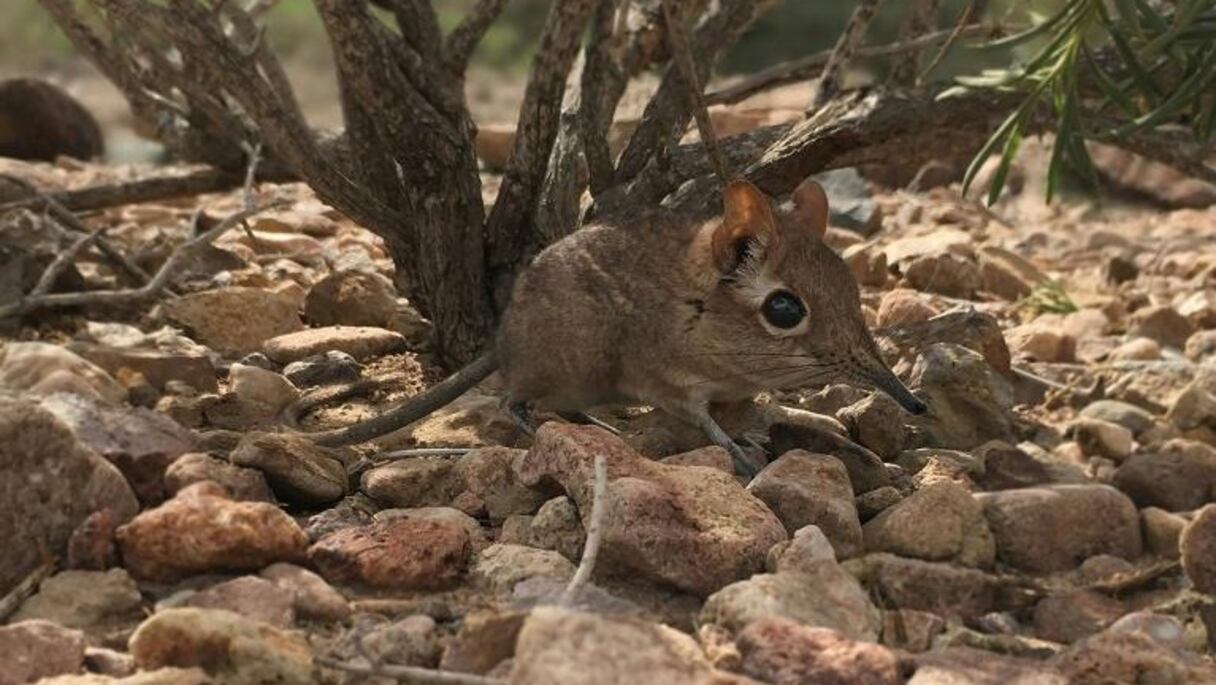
x=1113 y=91
x=1012 y=142
x=1037 y=30
x=1143 y=81
x=994 y=140
x=1191 y=86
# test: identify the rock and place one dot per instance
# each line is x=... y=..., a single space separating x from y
x=911 y=630
x=806 y=549
x=852 y=202
x=964 y=327
x=945 y=274
x=555 y=646
x=1042 y=342
x=405 y=554
x=360 y=342
x=1161 y=531
x=96 y=602
x=1198 y=548
x=329 y=367
x=92 y=545
x=42 y=369
x=1200 y=308
x=710 y=529
x=823 y=595
x=1103 y=567
x=941 y=588
x=869 y=266
x=409 y=641
x=297 y=469
x=245 y=485
x=1102 y=438
x=866 y=471
x=49 y=484
x=1194 y=410
x=1129 y=416
x=202 y=530
x=352 y=512
x=1136 y=349
x=1006 y=467
x=499 y=567
x=262 y=394
x=38 y=649
x=140 y=442
x=1007 y=274
x=1055 y=527
x=970 y=401
x=903 y=306
x=312 y=597
x=1164 y=630
x=107 y=662
x=557 y=526
x=1125 y=657
x=1201 y=345
x=712 y=456
x=940 y=522
x=477 y=536
x=250 y=596
x=489 y=475
x=1163 y=324
x=159 y=367
x=940 y=240
x=968 y=666
x=232 y=649
x=422 y=482
x=40 y=120
x=876 y=422
x=351 y=298
x=1074 y=615
x=812 y=489
x=1180 y=476
x=777 y=650
x=235 y=319
x=874 y=502
x=473 y=420
x=485 y=639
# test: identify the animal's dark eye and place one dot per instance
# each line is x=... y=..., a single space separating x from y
x=783 y=309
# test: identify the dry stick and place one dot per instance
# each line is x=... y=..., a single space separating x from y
x=681 y=54
x=832 y=78
x=811 y=65
x=591 y=548
x=152 y=287
x=24 y=590
x=920 y=20
x=61 y=262
x=971 y=10
x=410 y=673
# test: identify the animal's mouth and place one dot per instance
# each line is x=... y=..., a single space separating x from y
x=890 y=384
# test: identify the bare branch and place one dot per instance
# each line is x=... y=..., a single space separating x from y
x=920 y=20
x=832 y=78
x=419 y=26
x=463 y=39
x=415 y=674
x=974 y=8
x=595 y=523
x=62 y=261
x=681 y=54
x=22 y=591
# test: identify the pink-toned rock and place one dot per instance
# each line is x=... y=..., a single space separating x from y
x=249 y=596
x=92 y=546
x=1041 y=342
x=406 y=554
x=312 y=597
x=297 y=469
x=778 y=650
x=1163 y=324
x=902 y=307
x=712 y=456
x=351 y=298
x=489 y=475
x=1136 y=349
x=939 y=522
x=202 y=530
x=360 y=342
x=30 y=367
x=32 y=650
x=709 y=529
x=234 y=319
x=242 y=483
x=1073 y=615
x=806 y=489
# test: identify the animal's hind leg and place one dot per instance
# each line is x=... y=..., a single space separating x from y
x=521 y=415
x=584 y=419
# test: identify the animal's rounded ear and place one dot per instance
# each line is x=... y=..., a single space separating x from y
x=747 y=224
x=811 y=206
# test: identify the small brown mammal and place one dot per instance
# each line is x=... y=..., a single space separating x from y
x=676 y=314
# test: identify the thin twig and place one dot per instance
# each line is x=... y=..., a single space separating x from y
x=62 y=261
x=964 y=20
x=832 y=78
x=920 y=20
x=591 y=549
x=681 y=54
x=409 y=673
x=24 y=590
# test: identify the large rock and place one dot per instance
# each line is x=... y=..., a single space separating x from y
x=1162 y=324
x=33 y=650
x=691 y=527
x=822 y=594
x=140 y=442
x=1179 y=476
x=777 y=650
x=40 y=368
x=940 y=522
x=250 y=596
x=941 y=588
x=297 y=469
x=557 y=646
x=39 y=120
x=49 y=484
x=202 y=530
x=1129 y=416
x=236 y=319
x=242 y=483
x=423 y=482
x=312 y=597
x=489 y=475
x=1008 y=274
x=360 y=342
x=406 y=553
x=1055 y=528
x=969 y=401
x=500 y=566
x=944 y=273
x=1194 y=410
x=158 y=366
x=1198 y=548
x=96 y=602
x=351 y=298
x=1128 y=657
x=806 y=489
x=232 y=649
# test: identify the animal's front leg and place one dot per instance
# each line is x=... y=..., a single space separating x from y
x=698 y=414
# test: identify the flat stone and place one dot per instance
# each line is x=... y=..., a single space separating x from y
x=360 y=342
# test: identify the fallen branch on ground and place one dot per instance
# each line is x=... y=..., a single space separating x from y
x=24 y=590
x=409 y=673
x=591 y=548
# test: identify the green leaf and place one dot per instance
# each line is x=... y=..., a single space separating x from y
x=1113 y=91
x=1012 y=142
x=1191 y=87
x=1037 y=30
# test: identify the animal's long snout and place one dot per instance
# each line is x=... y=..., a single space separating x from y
x=885 y=380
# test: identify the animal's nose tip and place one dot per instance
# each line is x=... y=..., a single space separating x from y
x=916 y=406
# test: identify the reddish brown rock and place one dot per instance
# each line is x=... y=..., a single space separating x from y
x=806 y=489
x=709 y=529
x=902 y=307
x=1070 y=616
x=92 y=546
x=235 y=319
x=32 y=650
x=249 y=596
x=244 y=484
x=202 y=530
x=489 y=475
x=780 y=651
x=407 y=553
x=1198 y=548
x=360 y=342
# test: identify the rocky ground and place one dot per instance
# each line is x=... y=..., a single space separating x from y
x=1048 y=522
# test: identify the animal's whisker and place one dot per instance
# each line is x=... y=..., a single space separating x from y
x=767 y=373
